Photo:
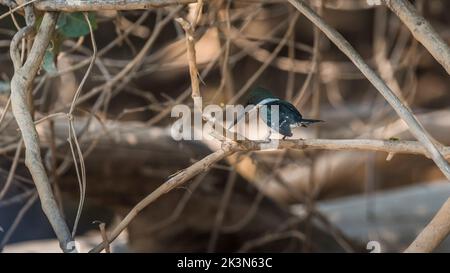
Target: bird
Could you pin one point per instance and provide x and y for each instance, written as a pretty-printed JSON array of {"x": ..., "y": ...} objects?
[{"x": 289, "y": 116}]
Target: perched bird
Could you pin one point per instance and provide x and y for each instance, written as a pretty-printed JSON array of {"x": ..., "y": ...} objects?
[{"x": 288, "y": 116}]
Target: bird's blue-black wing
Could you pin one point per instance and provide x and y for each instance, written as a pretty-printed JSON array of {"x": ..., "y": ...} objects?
[{"x": 287, "y": 116}]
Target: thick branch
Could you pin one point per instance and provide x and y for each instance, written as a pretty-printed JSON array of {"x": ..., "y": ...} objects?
[
  {"x": 137, "y": 138},
  {"x": 434, "y": 233},
  {"x": 402, "y": 110},
  {"x": 20, "y": 85},
  {"x": 422, "y": 31},
  {"x": 92, "y": 5},
  {"x": 230, "y": 148},
  {"x": 147, "y": 138},
  {"x": 388, "y": 146},
  {"x": 175, "y": 181}
]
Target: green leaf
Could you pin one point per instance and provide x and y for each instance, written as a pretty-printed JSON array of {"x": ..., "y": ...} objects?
[
  {"x": 74, "y": 25},
  {"x": 49, "y": 61}
]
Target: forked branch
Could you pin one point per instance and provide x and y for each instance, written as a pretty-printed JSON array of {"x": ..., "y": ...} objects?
[
  {"x": 20, "y": 91},
  {"x": 229, "y": 148},
  {"x": 402, "y": 110}
]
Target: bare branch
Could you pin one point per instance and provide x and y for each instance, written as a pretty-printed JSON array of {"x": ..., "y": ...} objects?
[
  {"x": 434, "y": 233},
  {"x": 389, "y": 146},
  {"x": 402, "y": 110},
  {"x": 12, "y": 170},
  {"x": 175, "y": 181},
  {"x": 20, "y": 85},
  {"x": 17, "y": 220},
  {"x": 67, "y": 5},
  {"x": 345, "y": 4},
  {"x": 192, "y": 60},
  {"x": 422, "y": 31}
]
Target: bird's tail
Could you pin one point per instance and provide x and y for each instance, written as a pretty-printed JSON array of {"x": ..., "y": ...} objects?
[{"x": 305, "y": 122}]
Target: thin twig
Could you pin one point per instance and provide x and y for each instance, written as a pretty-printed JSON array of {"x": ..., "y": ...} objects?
[
  {"x": 422, "y": 31},
  {"x": 174, "y": 182},
  {"x": 4, "y": 15},
  {"x": 73, "y": 141},
  {"x": 402, "y": 110},
  {"x": 263, "y": 67},
  {"x": 180, "y": 205},
  {"x": 269, "y": 238},
  {"x": 221, "y": 212},
  {"x": 17, "y": 220},
  {"x": 190, "y": 43},
  {"x": 389, "y": 146},
  {"x": 12, "y": 170},
  {"x": 102, "y": 228}
]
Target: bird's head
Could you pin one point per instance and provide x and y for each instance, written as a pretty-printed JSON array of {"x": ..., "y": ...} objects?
[{"x": 258, "y": 94}]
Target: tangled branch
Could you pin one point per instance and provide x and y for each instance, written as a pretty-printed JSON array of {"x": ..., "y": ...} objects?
[
  {"x": 25, "y": 76},
  {"x": 402, "y": 110},
  {"x": 422, "y": 31},
  {"x": 20, "y": 93}
]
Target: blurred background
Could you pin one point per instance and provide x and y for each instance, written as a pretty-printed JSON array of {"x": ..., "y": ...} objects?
[{"x": 271, "y": 201}]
